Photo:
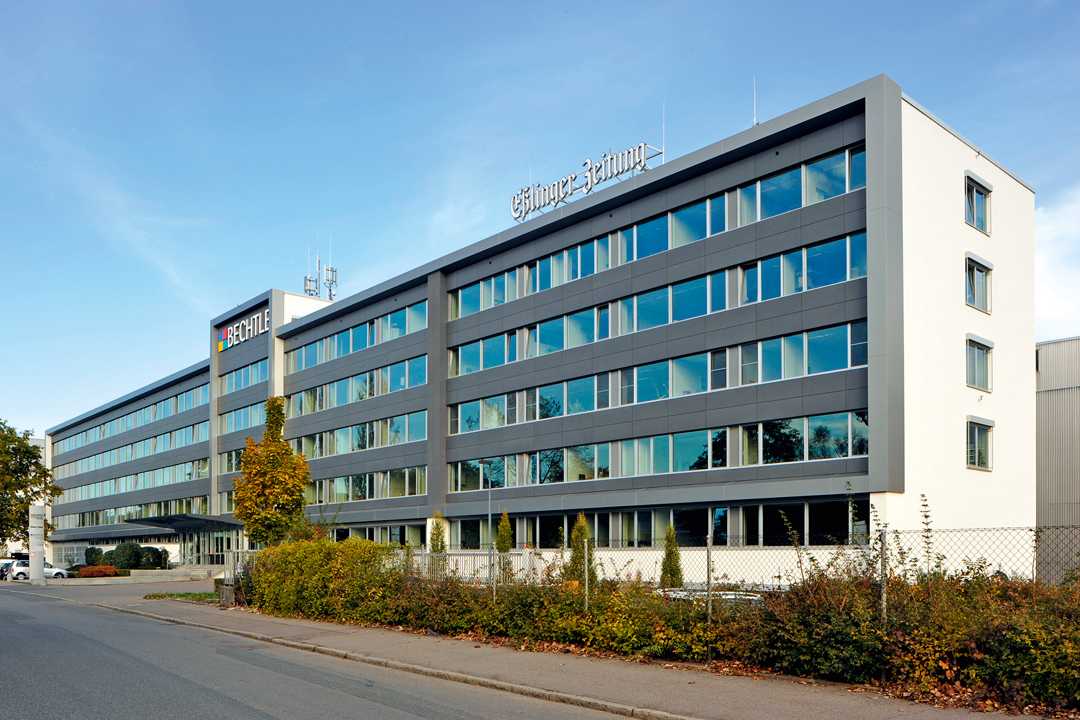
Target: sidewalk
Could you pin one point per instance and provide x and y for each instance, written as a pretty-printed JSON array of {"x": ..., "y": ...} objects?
[{"x": 640, "y": 686}]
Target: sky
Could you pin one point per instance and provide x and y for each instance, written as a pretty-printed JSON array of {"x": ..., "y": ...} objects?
[{"x": 163, "y": 162}]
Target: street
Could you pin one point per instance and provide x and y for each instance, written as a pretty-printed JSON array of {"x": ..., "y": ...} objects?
[{"x": 63, "y": 660}]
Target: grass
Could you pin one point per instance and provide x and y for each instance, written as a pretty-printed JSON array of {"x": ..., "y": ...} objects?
[{"x": 196, "y": 597}]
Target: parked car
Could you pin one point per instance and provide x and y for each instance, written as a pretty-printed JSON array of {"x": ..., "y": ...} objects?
[{"x": 20, "y": 570}]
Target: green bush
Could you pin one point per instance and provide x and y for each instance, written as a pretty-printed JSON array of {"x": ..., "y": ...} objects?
[
  {"x": 93, "y": 555},
  {"x": 1018, "y": 642}
]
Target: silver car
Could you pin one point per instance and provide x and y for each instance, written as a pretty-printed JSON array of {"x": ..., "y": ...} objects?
[{"x": 20, "y": 570}]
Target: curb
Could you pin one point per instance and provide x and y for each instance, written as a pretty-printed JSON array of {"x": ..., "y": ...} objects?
[{"x": 613, "y": 708}]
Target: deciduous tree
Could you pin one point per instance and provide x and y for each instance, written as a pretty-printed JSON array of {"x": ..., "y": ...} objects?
[
  {"x": 269, "y": 494},
  {"x": 24, "y": 481}
]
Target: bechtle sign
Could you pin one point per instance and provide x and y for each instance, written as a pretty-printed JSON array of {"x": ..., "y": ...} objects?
[
  {"x": 533, "y": 198},
  {"x": 243, "y": 330}
]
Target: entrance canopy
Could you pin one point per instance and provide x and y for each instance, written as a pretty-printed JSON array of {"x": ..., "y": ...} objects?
[{"x": 188, "y": 523}]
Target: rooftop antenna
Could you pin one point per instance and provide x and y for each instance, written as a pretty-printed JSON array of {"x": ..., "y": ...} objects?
[
  {"x": 311, "y": 282},
  {"x": 330, "y": 280},
  {"x": 663, "y": 132},
  {"x": 755, "y": 100}
]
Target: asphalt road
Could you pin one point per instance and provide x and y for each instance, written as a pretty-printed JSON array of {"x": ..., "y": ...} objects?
[{"x": 62, "y": 660}]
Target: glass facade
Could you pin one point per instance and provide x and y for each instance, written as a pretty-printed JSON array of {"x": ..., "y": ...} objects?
[
  {"x": 373, "y": 383},
  {"x": 143, "y": 448},
  {"x": 245, "y": 377},
  {"x": 382, "y": 329},
  {"x": 158, "y": 477},
  {"x": 411, "y": 427}
]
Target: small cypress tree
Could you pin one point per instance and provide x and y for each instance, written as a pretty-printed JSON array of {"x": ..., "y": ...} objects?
[
  {"x": 575, "y": 569},
  {"x": 437, "y": 547},
  {"x": 504, "y": 541},
  {"x": 671, "y": 567}
]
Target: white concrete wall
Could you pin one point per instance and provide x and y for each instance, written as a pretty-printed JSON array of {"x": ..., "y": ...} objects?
[{"x": 936, "y": 323}]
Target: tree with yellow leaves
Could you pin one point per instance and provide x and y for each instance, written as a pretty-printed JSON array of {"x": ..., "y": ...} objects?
[{"x": 269, "y": 494}]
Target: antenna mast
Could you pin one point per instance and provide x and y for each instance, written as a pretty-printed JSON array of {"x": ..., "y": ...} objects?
[{"x": 755, "y": 100}]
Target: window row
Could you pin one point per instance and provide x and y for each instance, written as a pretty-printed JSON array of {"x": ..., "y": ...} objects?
[
  {"x": 226, "y": 501},
  {"x": 402, "y": 482},
  {"x": 382, "y": 329},
  {"x": 144, "y": 448},
  {"x": 158, "y": 477},
  {"x": 830, "y": 521},
  {"x": 246, "y": 376},
  {"x": 187, "y": 400},
  {"x": 380, "y": 381},
  {"x": 827, "y": 349},
  {"x": 242, "y": 418},
  {"x": 365, "y": 436},
  {"x": 821, "y": 264},
  {"x": 410, "y": 535},
  {"x": 114, "y": 516},
  {"x": 818, "y": 437},
  {"x": 806, "y": 184}
]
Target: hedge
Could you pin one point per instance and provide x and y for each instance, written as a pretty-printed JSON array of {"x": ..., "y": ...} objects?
[{"x": 1013, "y": 641}]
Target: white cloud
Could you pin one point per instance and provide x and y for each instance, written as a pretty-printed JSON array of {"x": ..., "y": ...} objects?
[{"x": 1057, "y": 266}]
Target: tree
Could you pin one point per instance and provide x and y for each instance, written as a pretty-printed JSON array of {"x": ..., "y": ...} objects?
[
  {"x": 504, "y": 541},
  {"x": 437, "y": 547},
  {"x": 92, "y": 555},
  {"x": 24, "y": 481},
  {"x": 269, "y": 494},
  {"x": 671, "y": 566},
  {"x": 575, "y": 568}
]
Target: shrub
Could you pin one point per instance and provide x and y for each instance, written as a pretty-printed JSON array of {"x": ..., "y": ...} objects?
[
  {"x": 671, "y": 566},
  {"x": 575, "y": 569},
  {"x": 92, "y": 571},
  {"x": 93, "y": 555}
]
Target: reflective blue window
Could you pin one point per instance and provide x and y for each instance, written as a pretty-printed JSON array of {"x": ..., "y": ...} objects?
[
  {"x": 418, "y": 371},
  {"x": 828, "y": 436},
  {"x": 603, "y": 327},
  {"x": 469, "y": 300},
  {"x": 550, "y": 401},
  {"x": 551, "y": 336},
  {"x": 652, "y": 381},
  {"x": 858, "y": 343},
  {"x": 342, "y": 344},
  {"x": 858, "y": 255},
  {"x": 782, "y": 440},
  {"x": 545, "y": 273},
  {"x": 397, "y": 377},
  {"x": 494, "y": 351},
  {"x": 579, "y": 328},
  {"x": 826, "y": 349},
  {"x": 860, "y": 432},
  {"x": 588, "y": 258},
  {"x": 511, "y": 347},
  {"x": 469, "y": 416},
  {"x": 652, "y": 237},
  {"x": 771, "y": 368},
  {"x": 781, "y": 193},
  {"x": 417, "y": 316},
  {"x": 718, "y": 214},
  {"x": 770, "y": 278},
  {"x": 395, "y": 324},
  {"x": 626, "y": 244},
  {"x": 858, "y": 168},
  {"x": 652, "y": 309},
  {"x": 792, "y": 271},
  {"x": 826, "y": 263},
  {"x": 551, "y": 466},
  {"x": 360, "y": 337},
  {"x": 396, "y": 430},
  {"x": 469, "y": 358},
  {"x": 689, "y": 299},
  {"x": 825, "y": 178},
  {"x": 688, "y": 224},
  {"x": 749, "y": 292},
  {"x": 718, "y": 291},
  {"x": 691, "y": 451},
  {"x": 580, "y": 395},
  {"x": 690, "y": 374}
]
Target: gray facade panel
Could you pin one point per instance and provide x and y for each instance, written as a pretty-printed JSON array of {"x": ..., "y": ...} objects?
[
  {"x": 188, "y": 489},
  {"x": 196, "y": 451}
]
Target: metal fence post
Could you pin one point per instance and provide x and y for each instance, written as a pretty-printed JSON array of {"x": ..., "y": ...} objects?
[
  {"x": 883, "y": 541},
  {"x": 708, "y": 596}
]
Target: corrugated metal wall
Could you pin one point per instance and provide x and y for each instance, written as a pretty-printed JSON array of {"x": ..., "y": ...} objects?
[{"x": 1058, "y": 433}]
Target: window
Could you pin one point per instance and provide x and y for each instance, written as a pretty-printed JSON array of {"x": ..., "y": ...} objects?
[
  {"x": 748, "y": 287},
  {"x": 652, "y": 381},
  {"x": 469, "y": 358},
  {"x": 783, "y": 524},
  {"x": 826, "y": 349},
  {"x": 826, "y": 178},
  {"x": 579, "y": 328},
  {"x": 691, "y": 451},
  {"x": 860, "y": 432},
  {"x": 976, "y": 205},
  {"x": 718, "y": 291},
  {"x": 781, "y": 193},
  {"x": 770, "y": 278},
  {"x": 749, "y": 361},
  {"x": 494, "y": 351},
  {"x": 826, "y": 263},
  {"x": 580, "y": 395},
  {"x": 749, "y": 444},
  {"x": 494, "y": 472},
  {"x": 469, "y": 475},
  {"x": 652, "y": 309},
  {"x": 747, "y": 198},
  {"x": 469, "y": 300},
  {"x": 771, "y": 363},
  {"x": 857, "y": 167},
  {"x": 418, "y": 371},
  {"x": 718, "y": 440},
  {"x": 688, "y": 224},
  {"x": 718, "y": 214},
  {"x": 626, "y": 386},
  {"x": 977, "y": 286},
  {"x": 397, "y": 379},
  {"x": 469, "y": 416},
  {"x": 828, "y": 436},
  {"x": 652, "y": 237},
  {"x": 689, "y": 299},
  {"x": 551, "y": 466},
  {"x": 493, "y": 412},
  {"x": 792, "y": 272},
  {"x": 719, "y": 370},
  {"x": 978, "y": 365},
  {"x": 551, "y": 401},
  {"x": 782, "y": 440},
  {"x": 551, "y": 336},
  {"x": 581, "y": 462},
  {"x": 978, "y": 445},
  {"x": 859, "y": 344},
  {"x": 857, "y": 256},
  {"x": 690, "y": 374},
  {"x": 793, "y": 355}
]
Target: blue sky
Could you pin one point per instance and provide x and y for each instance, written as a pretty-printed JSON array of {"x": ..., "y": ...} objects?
[{"x": 165, "y": 161}]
